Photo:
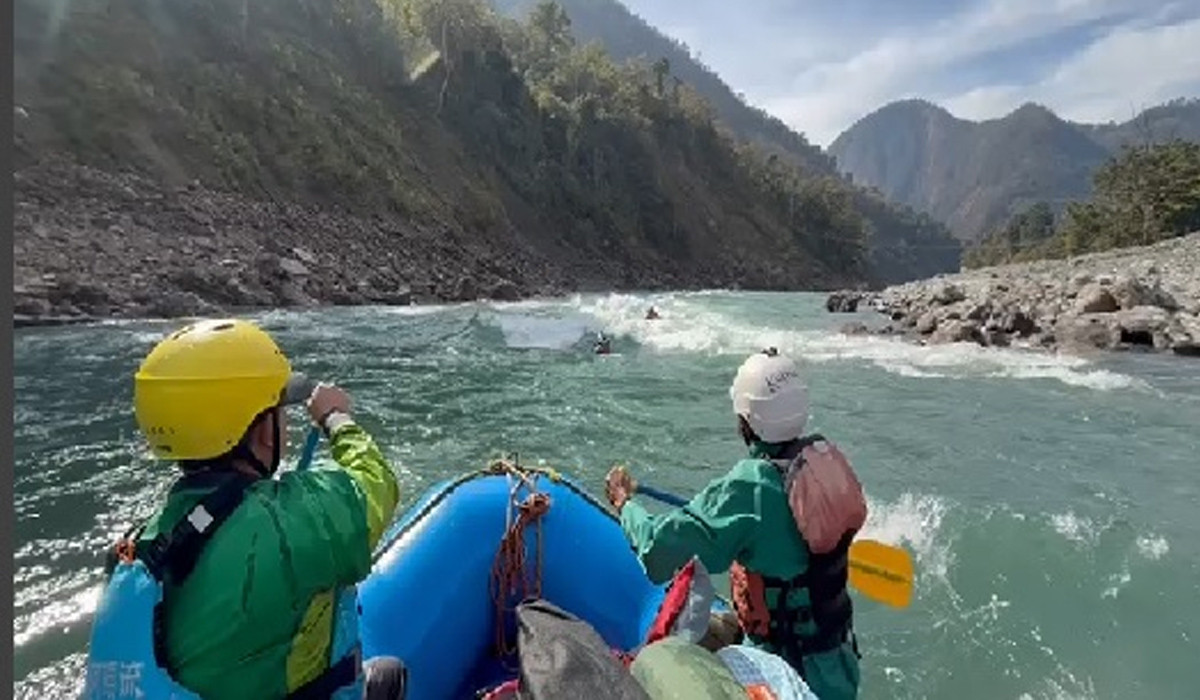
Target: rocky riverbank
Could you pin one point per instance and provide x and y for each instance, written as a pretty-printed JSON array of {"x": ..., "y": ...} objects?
[
  {"x": 93, "y": 244},
  {"x": 1145, "y": 298}
]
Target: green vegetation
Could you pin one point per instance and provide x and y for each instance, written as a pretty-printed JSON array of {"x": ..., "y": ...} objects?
[
  {"x": 627, "y": 36},
  {"x": 441, "y": 112},
  {"x": 1149, "y": 193}
]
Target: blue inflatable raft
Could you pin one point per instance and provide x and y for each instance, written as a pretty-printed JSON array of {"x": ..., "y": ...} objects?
[{"x": 431, "y": 596}]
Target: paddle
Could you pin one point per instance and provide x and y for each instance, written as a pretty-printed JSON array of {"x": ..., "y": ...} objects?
[
  {"x": 314, "y": 434},
  {"x": 310, "y": 447},
  {"x": 879, "y": 571}
]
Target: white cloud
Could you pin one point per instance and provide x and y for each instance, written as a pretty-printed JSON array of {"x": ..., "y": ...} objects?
[
  {"x": 823, "y": 96},
  {"x": 1125, "y": 71}
]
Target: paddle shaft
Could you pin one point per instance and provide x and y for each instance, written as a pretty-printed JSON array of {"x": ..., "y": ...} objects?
[
  {"x": 662, "y": 496},
  {"x": 310, "y": 448}
]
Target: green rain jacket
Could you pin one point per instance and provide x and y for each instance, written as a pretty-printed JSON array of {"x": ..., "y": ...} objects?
[
  {"x": 743, "y": 516},
  {"x": 254, "y": 618}
]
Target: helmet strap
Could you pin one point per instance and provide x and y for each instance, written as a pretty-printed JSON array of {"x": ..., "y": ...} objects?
[
  {"x": 275, "y": 448},
  {"x": 244, "y": 452}
]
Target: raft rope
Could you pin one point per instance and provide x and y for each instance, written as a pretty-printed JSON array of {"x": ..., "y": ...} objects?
[{"x": 510, "y": 578}]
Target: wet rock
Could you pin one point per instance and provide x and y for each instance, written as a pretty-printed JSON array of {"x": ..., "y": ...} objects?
[
  {"x": 843, "y": 301},
  {"x": 465, "y": 290},
  {"x": 1084, "y": 332},
  {"x": 1018, "y": 323},
  {"x": 854, "y": 328},
  {"x": 32, "y": 306},
  {"x": 174, "y": 303},
  {"x": 347, "y": 297},
  {"x": 996, "y": 338},
  {"x": 956, "y": 331},
  {"x": 1129, "y": 299},
  {"x": 292, "y": 293},
  {"x": 401, "y": 296},
  {"x": 504, "y": 290}
]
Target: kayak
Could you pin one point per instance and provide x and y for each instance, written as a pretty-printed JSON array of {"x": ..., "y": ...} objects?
[{"x": 448, "y": 573}]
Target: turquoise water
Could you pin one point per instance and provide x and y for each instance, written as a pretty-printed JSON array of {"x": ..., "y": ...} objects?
[{"x": 1052, "y": 504}]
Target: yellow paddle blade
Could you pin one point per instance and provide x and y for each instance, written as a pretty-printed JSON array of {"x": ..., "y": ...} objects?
[{"x": 882, "y": 572}]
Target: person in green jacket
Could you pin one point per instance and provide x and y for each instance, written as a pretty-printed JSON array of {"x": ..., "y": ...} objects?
[
  {"x": 789, "y": 601},
  {"x": 267, "y": 607}
]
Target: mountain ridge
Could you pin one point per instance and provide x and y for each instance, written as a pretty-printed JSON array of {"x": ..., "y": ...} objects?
[{"x": 974, "y": 174}]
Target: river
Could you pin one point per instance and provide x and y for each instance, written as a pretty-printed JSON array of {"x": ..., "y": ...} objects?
[{"x": 1052, "y": 504}]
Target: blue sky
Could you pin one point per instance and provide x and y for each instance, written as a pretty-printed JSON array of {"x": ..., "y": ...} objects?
[{"x": 820, "y": 65}]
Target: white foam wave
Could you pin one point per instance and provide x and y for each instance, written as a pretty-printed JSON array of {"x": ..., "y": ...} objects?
[
  {"x": 418, "y": 309},
  {"x": 1117, "y": 582},
  {"x": 689, "y": 324},
  {"x": 522, "y": 331},
  {"x": 913, "y": 520},
  {"x": 1152, "y": 547},
  {"x": 1074, "y": 527},
  {"x": 1066, "y": 687},
  {"x": 56, "y": 615}
]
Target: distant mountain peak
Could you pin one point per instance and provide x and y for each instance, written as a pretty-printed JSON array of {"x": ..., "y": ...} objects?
[{"x": 973, "y": 175}]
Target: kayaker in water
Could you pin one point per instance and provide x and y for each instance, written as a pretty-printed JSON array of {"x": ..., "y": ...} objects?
[
  {"x": 603, "y": 345},
  {"x": 782, "y": 532},
  {"x": 258, "y": 592},
  {"x": 652, "y": 314}
]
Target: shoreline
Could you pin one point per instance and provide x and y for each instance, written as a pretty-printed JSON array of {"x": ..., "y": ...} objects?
[
  {"x": 92, "y": 244},
  {"x": 1130, "y": 299}
]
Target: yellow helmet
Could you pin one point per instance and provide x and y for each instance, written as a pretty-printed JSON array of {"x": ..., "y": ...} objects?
[{"x": 199, "y": 389}]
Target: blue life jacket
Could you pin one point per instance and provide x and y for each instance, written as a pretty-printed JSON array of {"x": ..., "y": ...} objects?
[{"x": 127, "y": 658}]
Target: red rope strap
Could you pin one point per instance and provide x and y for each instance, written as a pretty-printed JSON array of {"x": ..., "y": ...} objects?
[{"x": 509, "y": 579}]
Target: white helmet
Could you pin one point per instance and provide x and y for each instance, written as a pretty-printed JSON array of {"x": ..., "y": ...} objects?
[{"x": 768, "y": 393}]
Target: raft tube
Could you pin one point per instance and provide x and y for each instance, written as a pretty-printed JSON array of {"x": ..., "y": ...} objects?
[{"x": 429, "y": 597}]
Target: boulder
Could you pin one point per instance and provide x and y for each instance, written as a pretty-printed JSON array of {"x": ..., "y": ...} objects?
[
  {"x": 32, "y": 306},
  {"x": 1018, "y": 322},
  {"x": 955, "y": 331},
  {"x": 948, "y": 293},
  {"x": 996, "y": 338},
  {"x": 844, "y": 301},
  {"x": 1095, "y": 299},
  {"x": 927, "y": 323},
  {"x": 1131, "y": 292},
  {"x": 505, "y": 290},
  {"x": 1084, "y": 332},
  {"x": 1142, "y": 326},
  {"x": 465, "y": 290},
  {"x": 292, "y": 293}
]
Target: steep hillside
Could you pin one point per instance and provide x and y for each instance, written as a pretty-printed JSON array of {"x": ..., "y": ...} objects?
[
  {"x": 626, "y": 35},
  {"x": 901, "y": 244},
  {"x": 461, "y": 153},
  {"x": 971, "y": 175}
]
